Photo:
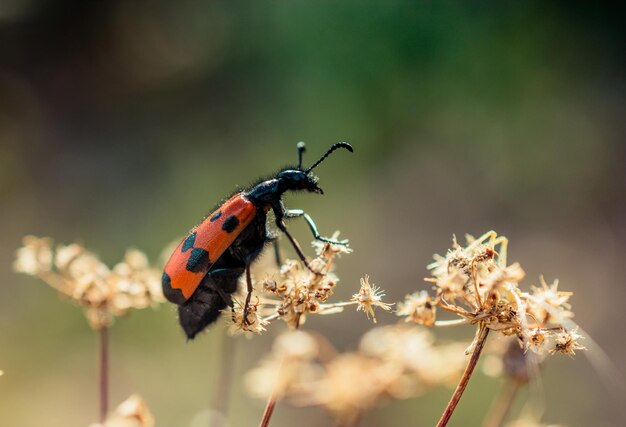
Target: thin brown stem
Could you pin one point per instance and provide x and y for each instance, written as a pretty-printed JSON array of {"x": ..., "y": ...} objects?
[
  {"x": 104, "y": 373},
  {"x": 271, "y": 401},
  {"x": 502, "y": 404},
  {"x": 469, "y": 369},
  {"x": 269, "y": 410}
]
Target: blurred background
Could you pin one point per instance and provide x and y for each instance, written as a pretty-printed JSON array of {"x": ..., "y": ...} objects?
[{"x": 123, "y": 122}]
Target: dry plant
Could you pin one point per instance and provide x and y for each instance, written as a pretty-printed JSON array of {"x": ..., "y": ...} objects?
[
  {"x": 305, "y": 370},
  {"x": 472, "y": 282},
  {"x": 104, "y": 293},
  {"x": 293, "y": 292},
  {"x": 475, "y": 283}
]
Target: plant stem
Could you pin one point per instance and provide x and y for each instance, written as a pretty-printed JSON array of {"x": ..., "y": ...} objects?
[
  {"x": 449, "y": 323},
  {"x": 221, "y": 394},
  {"x": 271, "y": 402},
  {"x": 469, "y": 369},
  {"x": 502, "y": 404},
  {"x": 269, "y": 410},
  {"x": 104, "y": 373}
]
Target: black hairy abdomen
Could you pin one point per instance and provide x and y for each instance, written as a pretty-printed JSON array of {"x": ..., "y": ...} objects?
[{"x": 214, "y": 292}]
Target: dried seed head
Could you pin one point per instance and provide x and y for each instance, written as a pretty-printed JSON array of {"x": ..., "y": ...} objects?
[
  {"x": 370, "y": 296},
  {"x": 79, "y": 274},
  {"x": 418, "y": 307},
  {"x": 35, "y": 256},
  {"x": 566, "y": 342}
]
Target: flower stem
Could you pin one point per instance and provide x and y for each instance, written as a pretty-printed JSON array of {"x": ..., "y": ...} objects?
[
  {"x": 104, "y": 373},
  {"x": 448, "y": 323},
  {"x": 271, "y": 401},
  {"x": 221, "y": 394},
  {"x": 269, "y": 410},
  {"x": 469, "y": 369},
  {"x": 502, "y": 404}
]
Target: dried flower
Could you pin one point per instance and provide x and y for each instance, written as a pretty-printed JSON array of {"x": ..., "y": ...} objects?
[
  {"x": 288, "y": 365},
  {"x": 548, "y": 300},
  {"x": 475, "y": 283},
  {"x": 252, "y": 322},
  {"x": 329, "y": 250},
  {"x": 418, "y": 307},
  {"x": 566, "y": 342},
  {"x": 79, "y": 274},
  {"x": 294, "y": 292},
  {"x": 34, "y": 257},
  {"x": 392, "y": 361},
  {"x": 133, "y": 412},
  {"x": 370, "y": 296}
]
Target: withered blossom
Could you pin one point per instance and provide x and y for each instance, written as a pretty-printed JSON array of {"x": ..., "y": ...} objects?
[
  {"x": 252, "y": 322},
  {"x": 370, "y": 296},
  {"x": 286, "y": 368},
  {"x": 475, "y": 283},
  {"x": 133, "y": 412},
  {"x": 294, "y": 292},
  {"x": 328, "y": 250},
  {"x": 418, "y": 307},
  {"x": 79, "y": 274},
  {"x": 304, "y": 371},
  {"x": 566, "y": 342}
]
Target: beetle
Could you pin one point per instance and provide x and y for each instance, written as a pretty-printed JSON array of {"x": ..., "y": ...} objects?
[{"x": 203, "y": 271}]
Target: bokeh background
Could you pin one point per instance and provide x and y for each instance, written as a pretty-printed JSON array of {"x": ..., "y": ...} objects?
[{"x": 123, "y": 122}]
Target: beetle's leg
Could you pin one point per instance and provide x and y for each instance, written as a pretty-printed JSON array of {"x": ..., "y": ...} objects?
[
  {"x": 279, "y": 212},
  {"x": 250, "y": 289},
  {"x": 295, "y": 213},
  {"x": 279, "y": 262}
]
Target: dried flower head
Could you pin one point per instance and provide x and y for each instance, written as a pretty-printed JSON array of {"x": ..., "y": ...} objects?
[
  {"x": 329, "y": 250},
  {"x": 79, "y": 274},
  {"x": 133, "y": 412},
  {"x": 294, "y": 292},
  {"x": 418, "y": 307},
  {"x": 290, "y": 364},
  {"x": 306, "y": 372},
  {"x": 475, "y": 283},
  {"x": 370, "y": 296},
  {"x": 566, "y": 342},
  {"x": 35, "y": 256},
  {"x": 250, "y": 321}
]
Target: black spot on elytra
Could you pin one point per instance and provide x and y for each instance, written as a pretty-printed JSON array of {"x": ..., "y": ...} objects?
[
  {"x": 198, "y": 260},
  {"x": 217, "y": 215},
  {"x": 189, "y": 241},
  {"x": 230, "y": 224},
  {"x": 173, "y": 295}
]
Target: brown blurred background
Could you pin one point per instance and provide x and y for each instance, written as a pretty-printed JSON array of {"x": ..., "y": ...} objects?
[{"x": 123, "y": 122}]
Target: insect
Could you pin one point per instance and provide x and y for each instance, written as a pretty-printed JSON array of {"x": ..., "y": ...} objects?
[{"x": 204, "y": 270}]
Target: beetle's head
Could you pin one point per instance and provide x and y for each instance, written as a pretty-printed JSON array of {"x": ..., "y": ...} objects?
[{"x": 299, "y": 179}]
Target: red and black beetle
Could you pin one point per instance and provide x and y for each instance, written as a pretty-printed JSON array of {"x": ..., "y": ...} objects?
[{"x": 204, "y": 269}]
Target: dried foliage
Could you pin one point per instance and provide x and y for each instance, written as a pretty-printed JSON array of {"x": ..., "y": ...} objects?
[
  {"x": 304, "y": 370},
  {"x": 77, "y": 273},
  {"x": 475, "y": 283},
  {"x": 292, "y": 292}
]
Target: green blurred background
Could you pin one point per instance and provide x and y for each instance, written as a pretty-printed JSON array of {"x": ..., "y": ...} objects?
[{"x": 123, "y": 122}]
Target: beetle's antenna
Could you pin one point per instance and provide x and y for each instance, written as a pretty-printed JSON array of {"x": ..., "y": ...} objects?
[
  {"x": 330, "y": 150},
  {"x": 301, "y": 149}
]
